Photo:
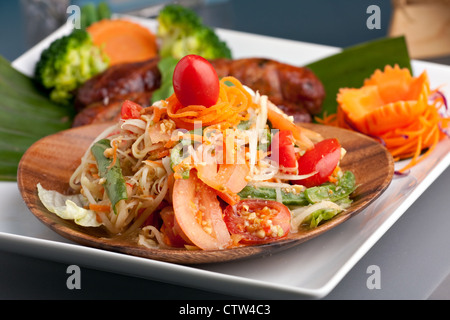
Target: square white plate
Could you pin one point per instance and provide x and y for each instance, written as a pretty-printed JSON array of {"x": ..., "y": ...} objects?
[{"x": 310, "y": 270}]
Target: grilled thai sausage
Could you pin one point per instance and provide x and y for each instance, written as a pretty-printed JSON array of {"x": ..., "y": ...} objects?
[
  {"x": 119, "y": 80},
  {"x": 296, "y": 90},
  {"x": 99, "y": 112}
]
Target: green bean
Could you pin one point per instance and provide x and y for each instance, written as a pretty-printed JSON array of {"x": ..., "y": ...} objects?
[
  {"x": 332, "y": 192},
  {"x": 268, "y": 193},
  {"x": 114, "y": 180}
]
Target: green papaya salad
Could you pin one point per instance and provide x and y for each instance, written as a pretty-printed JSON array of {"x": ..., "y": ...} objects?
[{"x": 214, "y": 166}]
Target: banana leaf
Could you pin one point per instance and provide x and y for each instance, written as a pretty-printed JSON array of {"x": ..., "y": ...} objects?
[
  {"x": 349, "y": 68},
  {"x": 26, "y": 115}
]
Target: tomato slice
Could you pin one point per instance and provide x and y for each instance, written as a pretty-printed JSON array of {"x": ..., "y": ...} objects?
[
  {"x": 172, "y": 234},
  {"x": 323, "y": 159},
  {"x": 130, "y": 110},
  {"x": 258, "y": 221},
  {"x": 228, "y": 178},
  {"x": 195, "y": 81},
  {"x": 284, "y": 141},
  {"x": 198, "y": 214}
]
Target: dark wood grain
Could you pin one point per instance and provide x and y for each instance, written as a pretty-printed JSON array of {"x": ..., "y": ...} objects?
[{"x": 51, "y": 161}]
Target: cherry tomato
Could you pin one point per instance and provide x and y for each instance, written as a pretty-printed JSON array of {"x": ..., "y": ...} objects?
[
  {"x": 198, "y": 214},
  {"x": 130, "y": 110},
  {"x": 284, "y": 141},
  {"x": 258, "y": 221},
  {"x": 323, "y": 158},
  {"x": 195, "y": 82}
]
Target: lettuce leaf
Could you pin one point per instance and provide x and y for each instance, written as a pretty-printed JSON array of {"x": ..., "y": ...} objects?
[{"x": 68, "y": 207}]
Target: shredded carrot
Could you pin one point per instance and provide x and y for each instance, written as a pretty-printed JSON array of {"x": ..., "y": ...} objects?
[
  {"x": 161, "y": 154},
  {"x": 329, "y": 120},
  {"x": 170, "y": 144},
  {"x": 397, "y": 109},
  {"x": 123, "y": 40},
  {"x": 333, "y": 178},
  {"x": 99, "y": 207},
  {"x": 158, "y": 113},
  {"x": 115, "y": 146},
  {"x": 229, "y": 110},
  {"x": 302, "y": 136},
  {"x": 229, "y": 198}
]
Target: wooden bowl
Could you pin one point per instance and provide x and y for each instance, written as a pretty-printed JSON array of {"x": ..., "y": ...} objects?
[{"x": 51, "y": 161}]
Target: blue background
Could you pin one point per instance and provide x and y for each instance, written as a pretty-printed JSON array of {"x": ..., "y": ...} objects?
[{"x": 336, "y": 23}]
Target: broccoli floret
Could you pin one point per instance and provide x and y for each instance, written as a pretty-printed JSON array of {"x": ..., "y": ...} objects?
[
  {"x": 181, "y": 32},
  {"x": 67, "y": 63}
]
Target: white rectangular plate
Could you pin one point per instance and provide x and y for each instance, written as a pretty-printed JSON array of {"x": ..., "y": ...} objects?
[{"x": 310, "y": 270}]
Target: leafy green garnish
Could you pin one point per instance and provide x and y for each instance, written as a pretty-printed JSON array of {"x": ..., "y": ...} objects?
[{"x": 166, "y": 67}]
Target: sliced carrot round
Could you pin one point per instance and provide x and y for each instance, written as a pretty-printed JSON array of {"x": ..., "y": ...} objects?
[{"x": 123, "y": 40}]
